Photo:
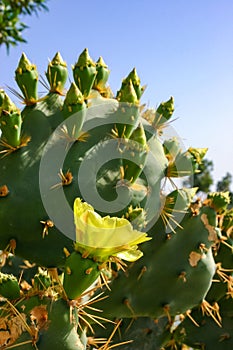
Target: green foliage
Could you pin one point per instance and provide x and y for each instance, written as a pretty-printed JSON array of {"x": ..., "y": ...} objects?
[
  {"x": 203, "y": 179},
  {"x": 225, "y": 183},
  {"x": 11, "y": 25}
]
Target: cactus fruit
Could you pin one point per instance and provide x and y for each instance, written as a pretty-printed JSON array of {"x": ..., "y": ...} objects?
[{"x": 88, "y": 224}]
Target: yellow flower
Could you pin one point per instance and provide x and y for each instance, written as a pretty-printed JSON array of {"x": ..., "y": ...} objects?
[{"x": 102, "y": 237}]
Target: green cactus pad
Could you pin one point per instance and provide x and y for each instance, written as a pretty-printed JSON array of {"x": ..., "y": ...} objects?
[
  {"x": 209, "y": 335},
  {"x": 172, "y": 285},
  {"x": 80, "y": 273}
]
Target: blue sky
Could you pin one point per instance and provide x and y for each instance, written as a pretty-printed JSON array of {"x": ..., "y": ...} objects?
[{"x": 182, "y": 48}]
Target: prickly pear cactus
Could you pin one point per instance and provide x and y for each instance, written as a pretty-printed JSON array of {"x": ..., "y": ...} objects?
[{"x": 84, "y": 177}]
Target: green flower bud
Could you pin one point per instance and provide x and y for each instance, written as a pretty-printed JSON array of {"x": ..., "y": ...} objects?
[
  {"x": 161, "y": 115},
  {"x": 219, "y": 201},
  {"x": 133, "y": 76},
  {"x": 26, "y": 76},
  {"x": 42, "y": 280},
  {"x": 198, "y": 154},
  {"x": 57, "y": 74},
  {"x": 137, "y": 151},
  {"x": 102, "y": 74},
  {"x": 10, "y": 122},
  {"x": 127, "y": 93},
  {"x": 9, "y": 287},
  {"x": 84, "y": 73},
  {"x": 166, "y": 109},
  {"x": 2, "y": 95},
  {"x": 74, "y": 104}
]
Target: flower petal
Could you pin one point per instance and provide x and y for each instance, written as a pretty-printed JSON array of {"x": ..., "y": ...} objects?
[
  {"x": 94, "y": 231},
  {"x": 130, "y": 255}
]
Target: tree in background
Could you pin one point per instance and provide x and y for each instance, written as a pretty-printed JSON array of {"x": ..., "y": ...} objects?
[
  {"x": 225, "y": 185},
  {"x": 204, "y": 179},
  {"x": 11, "y": 26}
]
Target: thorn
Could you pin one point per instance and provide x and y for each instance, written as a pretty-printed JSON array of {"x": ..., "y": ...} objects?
[
  {"x": 68, "y": 270},
  {"x": 188, "y": 313},
  {"x": 166, "y": 309},
  {"x": 143, "y": 270},
  {"x": 182, "y": 276},
  {"x": 212, "y": 311},
  {"x": 47, "y": 224},
  {"x": 127, "y": 304},
  {"x": 66, "y": 251},
  {"x": 224, "y": 336},
  {"x": 203, "y": 248}
]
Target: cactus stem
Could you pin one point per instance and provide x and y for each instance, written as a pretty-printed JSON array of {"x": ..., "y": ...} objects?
[
  {"x": 4, "y": 191},
  {"x": 47, "y": 224}
]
